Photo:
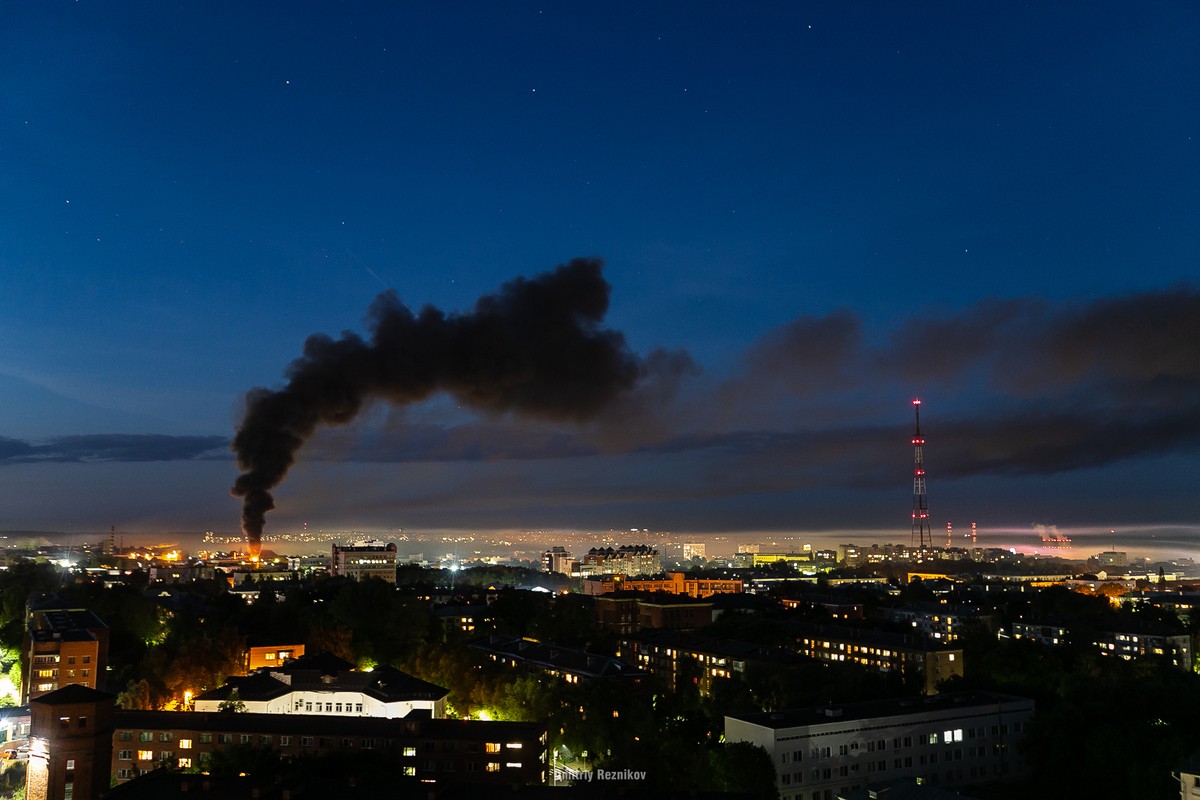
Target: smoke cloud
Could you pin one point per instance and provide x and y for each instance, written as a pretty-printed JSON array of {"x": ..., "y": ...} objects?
[{"x": 535, "y": 349}]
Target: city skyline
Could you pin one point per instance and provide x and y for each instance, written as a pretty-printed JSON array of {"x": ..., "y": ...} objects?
[{"x": 807, "y": 217}]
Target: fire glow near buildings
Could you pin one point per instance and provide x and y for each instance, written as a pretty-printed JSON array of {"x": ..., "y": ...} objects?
[{"x": 812, "y": 618}]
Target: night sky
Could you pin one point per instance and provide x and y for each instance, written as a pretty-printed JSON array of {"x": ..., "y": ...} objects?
[{"x": 808, "y": 214}]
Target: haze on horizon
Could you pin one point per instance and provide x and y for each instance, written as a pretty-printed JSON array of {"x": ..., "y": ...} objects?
[{"x": 808, "y": 216}]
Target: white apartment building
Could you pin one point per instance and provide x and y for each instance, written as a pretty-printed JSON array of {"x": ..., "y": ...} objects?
[{"x": 948, "y": 740}]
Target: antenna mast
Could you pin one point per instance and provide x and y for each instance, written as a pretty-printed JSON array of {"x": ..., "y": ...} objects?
[{"x": 922, "y": 535}]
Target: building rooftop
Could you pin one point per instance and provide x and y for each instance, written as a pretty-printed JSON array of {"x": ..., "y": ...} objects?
[
  {"x": 727, "y": 648},
  {"x": 872, "y": 636},
  {"x": 386, "y": 684},
  {"x": 71, "y": 694},
  {"x": 547, "y": 655},
  {"x": 656, "y": 598},
  {"x": 878, "y": 709}
]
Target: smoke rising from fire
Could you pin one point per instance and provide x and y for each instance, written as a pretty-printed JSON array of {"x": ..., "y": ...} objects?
[{"x": 535, "y": 348}]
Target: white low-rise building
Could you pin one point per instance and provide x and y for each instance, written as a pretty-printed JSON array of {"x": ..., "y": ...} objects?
[
  {"x": 948, "y": 740},
  {"x": 323, "y": 684}
]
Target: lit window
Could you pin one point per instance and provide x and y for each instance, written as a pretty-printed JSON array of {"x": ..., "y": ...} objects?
[
  {"x": 493, "y": 766},
  {"x": 409, "y": 751},
  {"x": 491, "y": 747},
  {"x": 145, "y": 755},
  {"x": 185, "y": 763},
  {"x": 185, "y": 744},
  {"x": 517, "y": 745},
  {"x": 513, "y": 764}
]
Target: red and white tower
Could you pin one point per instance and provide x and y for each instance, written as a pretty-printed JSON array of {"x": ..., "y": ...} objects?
[{"x": 922, "y": 535}]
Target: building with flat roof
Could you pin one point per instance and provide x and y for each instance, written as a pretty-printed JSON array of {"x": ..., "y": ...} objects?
[
  {"x": 264, "y": 651},
  {"x": 666, "y": 653},
  {"x": 940, "y": 621},
  {"x": 1134, "y": 639},
  {"x": 568, "y": 663},
  {"x": 62, "y": 646},
  {"x": 947, "y": 740},
  {"x": 672, "y": 583},
  {"x": 558, "y": 559},
  {"x": 70, "y": 744},
  {"x": 1189, "y": 780},
  {"x": 916, "y": 657},
  {"x": 365, "y": 559},
  {"x": 628, "y": 612}
]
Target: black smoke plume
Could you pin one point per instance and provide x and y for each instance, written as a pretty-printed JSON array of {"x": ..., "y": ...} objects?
[{"x": 535, "y": 348}]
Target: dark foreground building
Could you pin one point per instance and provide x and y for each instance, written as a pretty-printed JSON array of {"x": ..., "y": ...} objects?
[{"x": 79, "y": 744}]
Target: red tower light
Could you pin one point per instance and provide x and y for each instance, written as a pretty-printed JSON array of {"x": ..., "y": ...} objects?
[{"x": 922, "y": 535}]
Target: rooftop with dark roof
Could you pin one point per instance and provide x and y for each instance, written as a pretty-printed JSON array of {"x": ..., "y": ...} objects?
[
  {"x": 877, "y": 709},
  {"x": 71, "y": 694},
  {"x": 551, "y": 656},
  {"x": 326, "y": 673},
  {"x": 727, "y": 648}
]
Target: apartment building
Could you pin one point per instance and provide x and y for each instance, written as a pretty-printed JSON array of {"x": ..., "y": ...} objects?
[
  {"x": 62, "y": 646},
  {"x": 628, "y": 612},
  {"x": 949, "y": 740},
  {"x": 939, "y": 621},
  {"x": 628, "y": 559},
  {"x": 365, "y": 559},
  {"x": 676, "y": 583},
  {"x": 913, "y": 656},
  {"x": 668, "y": 653},
  {"x": 569, "y": 664},
  {"x": 80, "y": 743}
]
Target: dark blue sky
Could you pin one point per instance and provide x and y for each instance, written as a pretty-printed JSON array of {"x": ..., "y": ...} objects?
[{"x": 815, "y": 211}]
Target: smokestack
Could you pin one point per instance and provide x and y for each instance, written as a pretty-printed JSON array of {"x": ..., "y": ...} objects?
[{"x": 534, "y": 348}]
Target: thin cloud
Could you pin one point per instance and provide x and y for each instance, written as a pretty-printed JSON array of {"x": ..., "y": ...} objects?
[{"x": 95, "y": 448}]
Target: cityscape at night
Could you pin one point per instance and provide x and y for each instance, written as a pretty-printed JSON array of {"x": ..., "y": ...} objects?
[{"x": 767, "y": 400}]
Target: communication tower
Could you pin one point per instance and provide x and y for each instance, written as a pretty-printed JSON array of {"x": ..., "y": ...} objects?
[{"x": 922, "y": 535}]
